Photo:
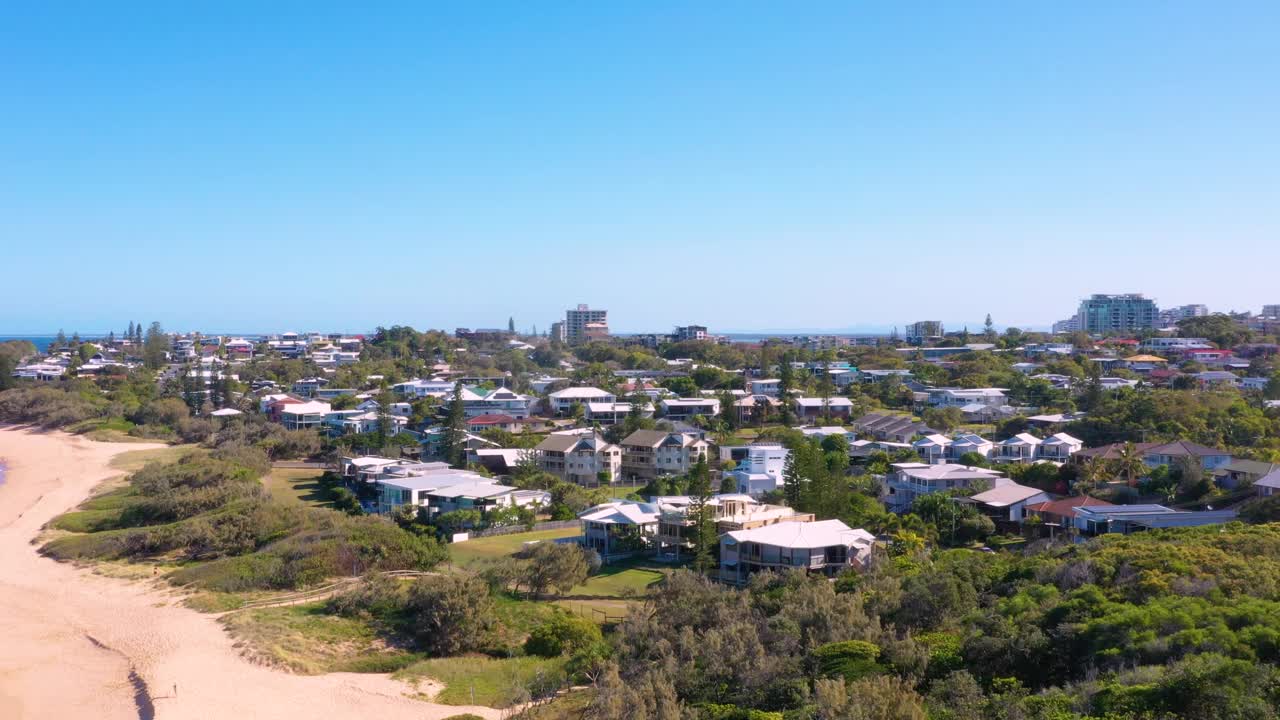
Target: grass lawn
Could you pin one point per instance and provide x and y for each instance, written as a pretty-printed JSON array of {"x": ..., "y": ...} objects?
[
  {"x": 296, "y": 485},
  {"x": 487, "y": 548},
  {"x": 478, "y": 680},
  {"x": 134, "y": 459},
  {"x": 599, "y": 611},
  {"x": 305, "y": 639},
  {"x": 620, "y": 580}
]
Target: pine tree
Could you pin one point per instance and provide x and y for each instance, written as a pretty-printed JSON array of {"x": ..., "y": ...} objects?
[
  {"x": 128, "y": 334},
  {"x": 792, "y": 483},
  {"x": 511, "y": 326},
  {"x": 989, "y": 329},
  {"x": 704, "y": 530},
  {"x": 59, "y": 340},
  {"x": 786, "y": 383},
  {"x": 455, "y": 431}
]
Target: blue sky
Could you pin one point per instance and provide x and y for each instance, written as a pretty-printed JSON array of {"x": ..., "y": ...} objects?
[{"x": 265, "y": 166}]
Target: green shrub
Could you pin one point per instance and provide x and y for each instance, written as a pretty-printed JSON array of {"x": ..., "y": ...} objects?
[
  {"x": 851, "y": 659},
  {"x": 563, "y": 634}
]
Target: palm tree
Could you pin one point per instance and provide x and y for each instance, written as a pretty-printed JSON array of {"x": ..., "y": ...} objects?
[
  {"x": 1092, "y": 474},
  {"x": 1129, "y": 464}
]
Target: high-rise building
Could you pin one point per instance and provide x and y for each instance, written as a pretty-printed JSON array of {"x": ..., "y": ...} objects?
[
  {"x": 1170, "y": 316},
  {"x": 1070, "y": 325},
  {"x": 689, "y": 332},
  {"x": 1117, "y": 313},
  {"x": 918, "y": 332},
  {"x": 576, "y": 322},
  {"x": 557, "y": 331},
  {"x": 1271, "y": 311}
]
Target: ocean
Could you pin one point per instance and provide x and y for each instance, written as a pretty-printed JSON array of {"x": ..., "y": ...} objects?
[{"x": 42, "y": 342}]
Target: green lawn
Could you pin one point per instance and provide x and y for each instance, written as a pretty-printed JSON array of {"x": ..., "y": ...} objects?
[
  {"x": 296, "y": 485},
  {"x": 488, "y": 548},
  {"x": 475, "y": 680},
  {"x": 620, "y": 580}
]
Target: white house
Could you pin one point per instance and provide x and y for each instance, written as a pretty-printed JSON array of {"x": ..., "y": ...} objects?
[
  {"x": 580, "y": 458},
  {"x": 766, "y": 386},
  {"x": 615, "y": 412},
  {"x": 1021, "y": 448},
  {"x": 932, "y": 448},
  {"x": 1059, "y": 447},
  {"x": 562, "y": 401},
  {"x": 301, "y": 416},
  {"x": 498, "y": 401},
  {"x": 909, "y": 481},
  {"x": 964, "y": 443},
  {"x": 619, "y": 526},
  {"x": 759, "y": 470},
  {"x": 424, "y": 388},
  {"x": 815, "y": 407},
  {"x": 687, "y": 408},
  {"x": 959, "y": 397},
  {"x": 826, "y": 547},
  {"x": 1008, "y": 501}
]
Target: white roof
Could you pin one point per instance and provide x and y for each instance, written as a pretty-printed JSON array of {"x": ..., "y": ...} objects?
[
  {"x": 577, "y": 393},
  {"x": 1270, "y": 480},
  {"x": 226, "y": 412},
  {"x": 935, "y": 439},
  {"x": 306, "y": 408},
  {"x": 834, "y": 401},
  {"x": 1006, "y": 495},
  {"x": 821, "y": 534},
  {"x": 621, "y": 512},
  {"x": 1062, "y": 439},
  {"x": 1022, "y": 439},
  {"x": 471, "y": 488}
]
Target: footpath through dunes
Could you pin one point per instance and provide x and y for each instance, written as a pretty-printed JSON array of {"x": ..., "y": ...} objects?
[{"x": 78, "y": 644}]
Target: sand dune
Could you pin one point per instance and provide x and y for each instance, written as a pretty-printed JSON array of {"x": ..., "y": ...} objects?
[{"x": 78, "y": 645}]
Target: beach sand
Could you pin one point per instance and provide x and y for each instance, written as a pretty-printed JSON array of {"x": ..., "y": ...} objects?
[{"x": 74, "y": 644}]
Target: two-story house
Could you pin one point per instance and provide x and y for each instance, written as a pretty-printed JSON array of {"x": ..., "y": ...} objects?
[
  {"x": 909, "y": 481},
  {"x": 689, "y": 408},
  {"x": 584, "y": 459},
  {"x": 826, "y": 547},
  {"x": 562, "y": 401},
  {"x": 649, "y": 453}
]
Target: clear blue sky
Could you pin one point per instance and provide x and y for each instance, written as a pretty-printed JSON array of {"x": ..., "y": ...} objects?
[{"x": 300, "y": 165}]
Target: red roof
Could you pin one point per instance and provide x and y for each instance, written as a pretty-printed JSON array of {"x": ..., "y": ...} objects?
[
  {"x": 1062, "y": 507},
  {"x": 1119, "y": 341},
  {"x": 491, "y": 420}
]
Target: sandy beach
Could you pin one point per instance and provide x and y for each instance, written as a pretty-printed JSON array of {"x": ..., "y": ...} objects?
[{"x": 74, "y": 644}]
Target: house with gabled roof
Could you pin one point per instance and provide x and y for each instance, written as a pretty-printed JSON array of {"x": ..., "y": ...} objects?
[
  {"x": 583, "y": 459},
  {"x": 1006, "y": 502},
  {"x": 649, "y": 453}
]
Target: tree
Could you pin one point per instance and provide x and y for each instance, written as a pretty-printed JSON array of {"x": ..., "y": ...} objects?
[
  {"x": 511, "y": 326},
  {"x": 59, "y": 340},
  {"x": 1272, "y": 390},
  {"x": 554, "y": 566},
  {"x": 879, "y": 697},
  {"x": 989, "y": 330},
  {"x": 455, "y": 430},
  {"x": 1093, "y": 475},
  {"x": 155, "y": 348},
  {"x": 563, "y": 634},
  {"x": 943, "y": 419},
  {"x": 450, "y": 614},
  {"x": 786, "y": 384},
  {"x": 1129, "y": 464},
  {"x": 704, "y": 529}
]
